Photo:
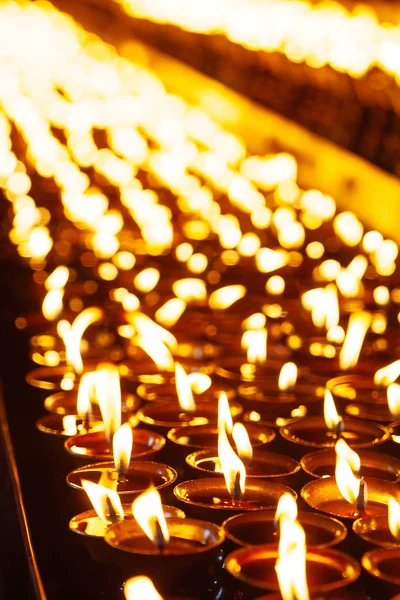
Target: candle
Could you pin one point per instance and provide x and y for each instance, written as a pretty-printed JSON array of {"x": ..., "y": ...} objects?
[
  {"x": 373, "y": 464},
  {"x": 166, "y": 390},
  {"x": 261, "y": 527},
  {"x": 206, "y": 436},
  {"x": 68, "y": 425},
  {"x": 65, "y": 403},
  {"x": 383, "y": 565},
  {"x": 375, "y": 530}
]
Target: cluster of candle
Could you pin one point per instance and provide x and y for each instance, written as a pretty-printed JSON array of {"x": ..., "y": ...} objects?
[{"x": 212, "y": 335}]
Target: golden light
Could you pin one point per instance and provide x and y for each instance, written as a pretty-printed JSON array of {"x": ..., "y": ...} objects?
[
  {"x": 146, "y": 280},
  {"x": 255, "y": 321},
  {"x": 291, "y": 563},
  {"x": 224, "y": 413},
  {"x": 336, "y": 335},
  {"x": 170, "y": 312},
  {"x": 381, "y": 295},
  {"x": 199, "y": 382},
  {"x": 140, "y": 588},
  {"x": 183, "y": 390},
  {"x": 348, "y": 228},
  {"x": 190, "y": 289},
  {"x": 232, "y": 467},
  {"x": 158, "y": 352},
  {"x": 122, "y": 449},
  {"x": 72, "y": 336},
  {"x": 286, "y": 508},
  {"x": 57, "y": 279},
  {"x": 69, "y": 425},
  {"x": 86, "y": 390},
  {"x": 358, "y": 326},
  {"x": 393, "y": 397},
  {"x": 52, "y": 304},
  {"x": 108, "y": 392},
  {"x": 268, "y": 260},
  {"x": 226, "y": 296},
  {"x": 387, "y": 375},
  {"x": 184, "y": 251},
  {"x": 254, "y": 341},
  {"x": 148, "y": 512},
  {"x": 288, "y": 376},
  {"x": 394, "y": 518},
  {"x": 344, "y": 452},
  {"x": 333, "y": 420},
  {"x": 242, "y": 442},
  {"x": 106, "y": 502},
  {"x": 275, "y": 285},
  {"x": 352, "y": 488},
  {"x": 149, "y": 330},
  {"x": 371, "y": 241},
  {"x": 197, "y": 263}
]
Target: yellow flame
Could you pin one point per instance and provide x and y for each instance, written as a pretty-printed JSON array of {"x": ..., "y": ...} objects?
[
  {"x": 53, "y": 304},
  {"x": 287, "y": 376},
  {"x": 147, "y": 329},
  {"x": 108, "y": 392},
  {"x": 255, "y": 342},
  {"x": 170, "y": 312},
  {"x": 393, "y": 397},
  {"x": 242, "y": 441},
  {"x": 291, "y": 563},
  {"x": 224, "y": 413},
  {"x": 347, "y": 482},
  {"x": 183, "y": 390},
  {"x": 331, "y": 416},
  {"x": 344, "y": 452},
  {"x": 140, "y": 588},
  {"x": 190, "y": 289},
  {"x": 69, "y": 425},
  {"x": 86, "y": 390},
  {"x": 199, "y": 382},
  {"x": 122, "y": 448},
  {"x": 72, "y": 335},
  {"x": 286, "y": 508},
  {"x": 232, "y": 467},
  {"x": 226, "y": 296},
  {"x": 158, "y": 352},
  {"x": 146, "y": 280},
  {"x": 102, "y": 498},
  {"x": 255, "y": 321},
  {"x": 388, "y": 374},
  {"x": 359, "y": 324},
  {"x": 148, "y": 512},
  {"x": 394, "y": 518},
  {"x": 57, "y": 279}
]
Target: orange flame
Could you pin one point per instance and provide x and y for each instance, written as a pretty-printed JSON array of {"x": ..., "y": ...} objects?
[
  {"x": 72, "y": 335},
  {"x": 226, "y": 296},
  {"x": 286, "y": 508},
  {"x": 86, "y": 390},
  {"x": 232, "y": 467},
  {"x": 359, "y": 324},
  {"x": 393, "y": 396},
  {"x": 148, "y": 512},
  {"x": 388, "y": 374},
  {"x": 108, "y": 391},
  {"x": 291, "y": 564},
  {"x": 106, "y": 502},
  {"x": 199, "y": 382},
  {"x": 122, "y": 448},
  {"x": 183, "y": 389},
  {"x": 242, "y": 441},
  {"x": 352, "y": 488},
  {"x": 224, "y": 413},
  {"x": 332, "y": 418}
]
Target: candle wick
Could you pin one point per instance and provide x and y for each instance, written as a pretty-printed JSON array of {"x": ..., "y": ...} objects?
[
  {"x": 362, "y": 496},
  {"x": 159, "y": 536},
  {"x": 86, "y": 421},
  {"x": 111, "y": 510},
  {"x": 236, "y": 487},
  {"x": 339, "y": 428}
]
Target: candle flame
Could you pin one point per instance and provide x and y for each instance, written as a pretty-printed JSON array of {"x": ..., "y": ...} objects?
[
  {"x": 106, "y": 502},
  {"x": 255, "y": 342},
  {"x": 288, "y": 376},
  {"x": 388, "y": 374},
  {"x": 190, "y": 289},
  {"x": 122, "y": 448},
  {"x": 69, "y": 425},
  {"x": 393, "y": 397},
  {"x": 224, "y": 413},
  {"x": 146, "y": 280},
  {"x": 158, "y": 352},
  {"x": 324, "y": 306},
  {"x": 170, "y": 312},
  {"x": 57, "y": 279},
  {"x": 394, "y": 518},
  {"x": 332, "y": 418},
  {"x": 286, "y": 508},
  {"x": 199, "y": 382},
  {"x": 146, "y": 329},
  {"x": 291, "y": 563},
  {"x": 226, "y": 296},
  {"x": 359, "y": 324},
  {"x": 140, "y": 588},
  {"x": 108, "y": 392},
  {"x": 352, "y": 488},
  {"x": 86, "y": 390},
  {"x": 242, "y": 441},
  {"x": 232, "y": 467},
  {"x": 148, "y": 512},
  {"x": 183, "y": 389},
  {"x": 72, "y": 335},
  {"x": 53, "y": 304}
]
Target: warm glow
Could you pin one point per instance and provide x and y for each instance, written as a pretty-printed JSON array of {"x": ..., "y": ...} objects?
[
  {"x": 190, "y": 289},
  {"x": 344, "y": 452},
  {"x": 359, "y": 324},
  {"x": 394, "y": 518},
  {"x": 108, "y": 392},
  {"x": 231, "y": 466},
  {"x": 348, "y": 228},
  {"x": 393, "y": 396},
  {"x": 158, "y": 352},
  {"x": 388, "y": 374},
  {"x": 255, "y": 321},
  {"x": 57, "y": 279},
  {"x": 86, "y": 390},
  {"x": 149, "y": 330},
  {"x": 226, "y": 296},
  {"x": 106, "y": 502},
  {"x": 148, "y": 512},
  {"x": 170, "y": 312},
  {"x": 73, "y": 335},
  {"x": 291, "y": 563},
  {"x": 352, "y": 488},
  {"x": 287, "y": 508},
  {"x": 53, "y": 304},
  {"x": 287, "y": 376},
  {"x": 199, "y": 382},
  {"x": 122, "y": 448},
  {"x": 255, "y": 342},
  {"x": 275, "y": 285},
  {"x": 146, "y": 280},
  {"x": 242, "y": 441},
  {"x": 69, "y": 425},
  {"x": 140, "y": 588},
  {"x": 224, "y": 413},
  {"x": 183, "y": 390},
  {"x": 333, "y": 420}
]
